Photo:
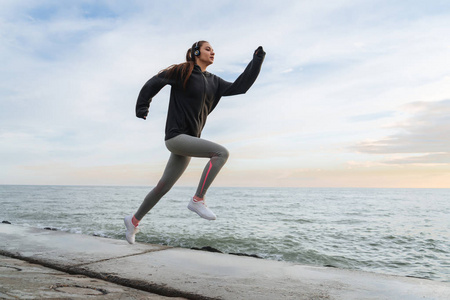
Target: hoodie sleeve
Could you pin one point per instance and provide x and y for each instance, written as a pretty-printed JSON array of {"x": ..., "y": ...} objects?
[
  {"x": 246, "y": 79},
  {"x": 148, "y": 91}
]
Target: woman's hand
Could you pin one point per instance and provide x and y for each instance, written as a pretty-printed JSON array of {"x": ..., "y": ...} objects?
[{"x": 260, "y": 51}]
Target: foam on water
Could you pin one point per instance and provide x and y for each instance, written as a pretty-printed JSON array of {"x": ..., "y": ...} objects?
[{"x": 394, "y": 231}]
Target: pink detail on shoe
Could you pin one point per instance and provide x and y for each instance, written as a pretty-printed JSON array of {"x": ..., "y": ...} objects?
[
  {"x": 197, "y": 199},
  {"x": 135, "y": 221}
]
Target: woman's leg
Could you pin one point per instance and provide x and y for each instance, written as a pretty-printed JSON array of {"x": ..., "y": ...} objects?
[
  {"x": 175, "y": 167},
  {"x": 186, "y": 145}
]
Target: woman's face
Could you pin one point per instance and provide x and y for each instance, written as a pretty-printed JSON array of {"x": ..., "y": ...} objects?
[{"x": 206, "y": 54}]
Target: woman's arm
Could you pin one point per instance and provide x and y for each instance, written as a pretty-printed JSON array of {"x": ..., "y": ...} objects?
[
  {"x": 148, "y": 91},
  {"x": 247, "y": 78}
]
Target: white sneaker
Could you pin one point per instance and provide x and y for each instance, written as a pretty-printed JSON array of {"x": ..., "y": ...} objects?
[
  {"x": 201, "y": 209},
  {"x": 131, "y": 229}
]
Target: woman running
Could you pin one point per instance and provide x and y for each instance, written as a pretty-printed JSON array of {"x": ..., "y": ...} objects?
[{"x": 193, "y": 96}]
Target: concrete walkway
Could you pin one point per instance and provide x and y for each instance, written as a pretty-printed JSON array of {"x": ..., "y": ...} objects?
[
  {"x": 23, "y": 280},
  {"x": 191, "y": 274}
]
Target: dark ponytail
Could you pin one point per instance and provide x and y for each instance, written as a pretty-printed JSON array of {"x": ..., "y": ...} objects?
[{"x": 184, "y": 70}]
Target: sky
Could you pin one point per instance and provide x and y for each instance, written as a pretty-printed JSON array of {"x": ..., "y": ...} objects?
[{"x": 352, "y": 93}]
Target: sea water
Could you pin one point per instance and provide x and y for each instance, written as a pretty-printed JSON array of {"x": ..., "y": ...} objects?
[{"x": 392, "y": 231}]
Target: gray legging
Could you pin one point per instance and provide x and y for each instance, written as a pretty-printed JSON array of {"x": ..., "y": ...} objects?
[{"x": 183, "y": 147}]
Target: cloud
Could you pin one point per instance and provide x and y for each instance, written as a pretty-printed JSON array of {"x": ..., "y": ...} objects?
[
  {"x": 371, "y": 116},
  {"x": 335, "y": 74},
  {"x": 424, "y": 135},
  {"x": 431, "y": 159}
]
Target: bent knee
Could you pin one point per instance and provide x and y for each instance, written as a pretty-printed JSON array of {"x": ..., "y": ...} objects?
[
  {"x": 223, "y": 154},
  {"x": 226, "y": 154}
]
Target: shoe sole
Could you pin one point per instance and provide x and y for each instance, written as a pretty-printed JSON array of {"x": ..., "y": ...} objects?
[{"x": 201, "y": 215}]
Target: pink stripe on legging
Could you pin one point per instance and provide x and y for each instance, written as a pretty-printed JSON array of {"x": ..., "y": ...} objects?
[{"x": 206, "y": 177}]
